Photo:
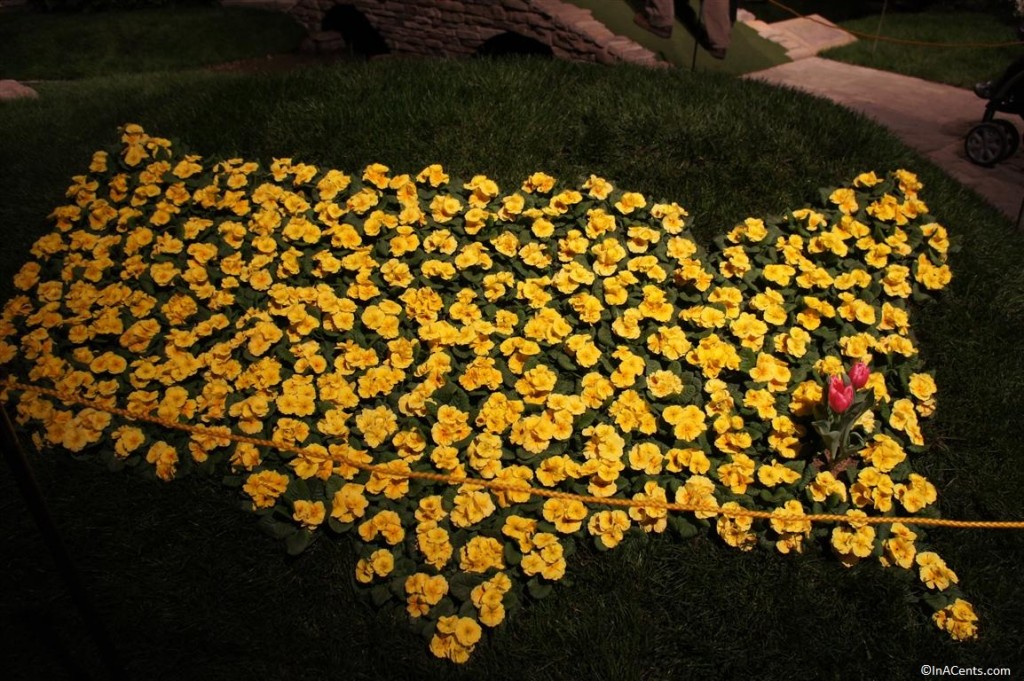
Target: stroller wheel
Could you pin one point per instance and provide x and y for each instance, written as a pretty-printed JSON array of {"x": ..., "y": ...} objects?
[
  {"x": 1010, "y": 136},
  {"x": 986, "y": 144}
]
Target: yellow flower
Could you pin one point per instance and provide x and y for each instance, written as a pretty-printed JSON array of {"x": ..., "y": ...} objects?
[
  {"x": 566, "y": 515},
  {"x": 387, "y": 524},
  {"x": 737, "y": 474},
  {"x": 455, "y": 638},
  {"x": 434, "y": 544},
  {"x": 380, "y": 564},
  {"x": 693, "y": 460},
  {"x": 872, "y": 488},
  {"x": 376, "y": 425},
  {"x": 735, "y": 530},
  {"x": 698, "y": 493},
  {"x": 904, "y": 417},
  {"x": 772, "y": 371},
  {"x": 424, "y": 591},
  {"x": 309, "y": 514},
  {"x": 127, "y": 439},
  {"x": 958, "y": 620},
  {"x": 265, "y": 487},
  {"x": 472, "y": 505},
  {"x": 933, "y": 571},
  {"x": 298, "y": 397},
  {"x": 899, "y": 548},
  {"x": 688, "y": 422},
  {"x": 762, "y": 401},
  {"x": 547, "y": 326},
  {"x": 498, "y": 413},
  {"x": 922, "y": 386},
  {"x": 883, "y": 453},
  {"x": 855, "y": 541},
  {"x": 663, "y": 383},
  {"x": 787, "y": 523},
  {"x": 349, "y": 503},
  {"x": 713, "y": 355},
  {"x": 392, "y": 479},
  {"x": 536, "y": 384},
  {"x": 776, "y": 474},
  {"x": 845, "y": 199},
  {"x": 609, "y": 527},
  {"x": 607, "y": 255},
  {"x": 778, "y": 273},
  {"x": 650, "y": 518},
  {"x": 824, "y": 485},
  {"x": 735, "y": 262},
  {"x": 629, "y": 202},
  {"x": 481, "y": 554},
  {"x": 916, "y": 495}
]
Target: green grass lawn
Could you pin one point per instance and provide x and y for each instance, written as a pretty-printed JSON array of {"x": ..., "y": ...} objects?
[
  {"x": 960, "y": 66},
  {"x": 82, "y": 45},
  {"x": 191, "y": 589}
]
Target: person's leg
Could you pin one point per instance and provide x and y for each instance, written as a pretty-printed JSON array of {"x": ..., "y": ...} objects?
[
  {"x": 658, "y": 17},
  {"x": 717, "y": 17}
]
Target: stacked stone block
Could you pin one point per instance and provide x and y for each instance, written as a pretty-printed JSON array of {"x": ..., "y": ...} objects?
[{"x": 457, "y": 28}]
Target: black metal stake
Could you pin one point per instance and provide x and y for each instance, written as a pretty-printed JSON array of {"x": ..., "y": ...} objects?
[{"x": 14, "y": 455}]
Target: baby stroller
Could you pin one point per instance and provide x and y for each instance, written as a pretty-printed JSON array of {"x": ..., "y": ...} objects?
[{"x": 994, "y": 139}]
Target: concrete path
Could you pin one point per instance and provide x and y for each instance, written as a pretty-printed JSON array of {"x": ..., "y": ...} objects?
[{"x": 932, "y": 118}]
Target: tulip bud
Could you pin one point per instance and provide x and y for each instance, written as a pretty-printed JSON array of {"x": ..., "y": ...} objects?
[
  {"x": 859, "y": 374},
  {"x": 840, "y": 395}
]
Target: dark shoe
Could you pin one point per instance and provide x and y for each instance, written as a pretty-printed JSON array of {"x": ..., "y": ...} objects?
[
  {"x": 983, "y": 89},
  {"x": 640, "y": 20},
  {"x": 717, "y": 52}
]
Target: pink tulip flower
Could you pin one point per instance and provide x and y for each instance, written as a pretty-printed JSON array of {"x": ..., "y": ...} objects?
[
  {"x": 840, "y": 395},
  {"x": 859, "y": 374}
]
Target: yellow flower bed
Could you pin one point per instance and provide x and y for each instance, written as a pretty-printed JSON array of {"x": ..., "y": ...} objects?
[{"x": 573, "y": 339}]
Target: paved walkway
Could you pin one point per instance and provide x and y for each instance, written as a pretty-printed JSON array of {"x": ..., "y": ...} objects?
[{"x": 932, "y": 118}]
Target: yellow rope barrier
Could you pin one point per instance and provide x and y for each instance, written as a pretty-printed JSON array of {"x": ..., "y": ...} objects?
[
  {"x": 887, "y": 39},
  {"x": 508, "y": 487}
]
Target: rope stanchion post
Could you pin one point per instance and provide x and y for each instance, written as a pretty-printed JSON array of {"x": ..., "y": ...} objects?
[
  {"x": 14, "y": 455},
  {"x": 878, "y": 31}
]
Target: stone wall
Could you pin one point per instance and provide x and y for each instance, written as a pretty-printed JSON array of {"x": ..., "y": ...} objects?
[{"x": 455, "y": 28}]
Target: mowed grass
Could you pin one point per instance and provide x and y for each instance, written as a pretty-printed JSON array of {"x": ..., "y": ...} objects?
[
  {"x": 960, "y": 66},
  {"x": 36, "y": 45},
  {"x": 192, "y": 590}
]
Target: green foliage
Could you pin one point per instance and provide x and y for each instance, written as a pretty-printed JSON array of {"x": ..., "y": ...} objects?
[{"x": 156, "y": 556}]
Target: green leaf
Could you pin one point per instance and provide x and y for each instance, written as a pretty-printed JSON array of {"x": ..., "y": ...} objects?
[
  {"x": 338, "y": 526},
  {"x": 563, "y": 361},
  {"x": 586, "y": 419},
  {"x": 276, "y": 529},
  {"x": 380, "y": 595},
  {"x": 461, "y": 585},
  {"x": 512, "y": 554},
  {"x": 538, "y": 589},
  {"x": 684, "y": 528},
  {"x": 445, "y": 608},
  {"x": 298, "y": 541}
]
